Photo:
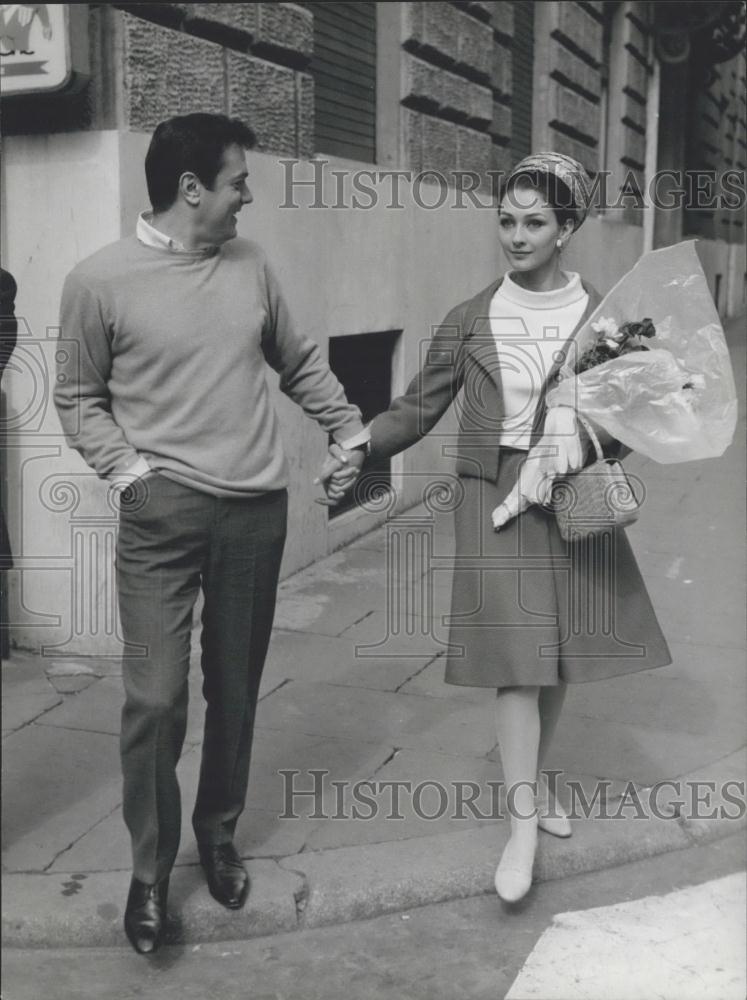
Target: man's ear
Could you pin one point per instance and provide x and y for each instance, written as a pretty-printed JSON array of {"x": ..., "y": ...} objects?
[{"x": 190, "y": 188}]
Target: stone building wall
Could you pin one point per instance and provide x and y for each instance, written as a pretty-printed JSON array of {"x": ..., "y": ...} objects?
[
  {"x": 502, "y": 85},
  {"x": 153, "y": 60},
  {"x": 567, "y": 84},
  {"x": 592, "y": 73},
  {"x": 246, "y": 60},
  {"x": 446, "y": 95},
  {"x": 717, "y": 143},
  {"x": 459, "y": 108},
  {"x": 629, "y": 90}
]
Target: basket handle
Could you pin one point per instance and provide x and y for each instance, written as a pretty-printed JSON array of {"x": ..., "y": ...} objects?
[{"x": 592, "y": 434}]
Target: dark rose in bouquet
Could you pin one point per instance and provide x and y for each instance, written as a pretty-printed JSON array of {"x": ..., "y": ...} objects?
[{"x": 613, "y": 341}]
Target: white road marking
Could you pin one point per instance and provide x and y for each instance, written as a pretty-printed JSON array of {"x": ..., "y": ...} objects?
[{"x": 686, "y": 945}]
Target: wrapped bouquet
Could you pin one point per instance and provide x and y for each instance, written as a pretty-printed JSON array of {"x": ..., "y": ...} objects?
[{"x": 651, "y": 365}]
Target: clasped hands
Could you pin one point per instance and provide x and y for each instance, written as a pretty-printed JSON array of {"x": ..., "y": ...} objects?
[
  {"x": 558, "y": 452},
  {"x": 339, "y": 472}
]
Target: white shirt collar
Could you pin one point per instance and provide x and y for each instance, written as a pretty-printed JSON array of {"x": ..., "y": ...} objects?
[
  {"x": 147, "y": 233},
  {"x": 572, "y": 291}
]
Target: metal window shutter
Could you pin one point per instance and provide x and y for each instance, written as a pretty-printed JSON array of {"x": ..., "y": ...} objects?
[
  {"x": 523, "y": 67},
  {"x": 344, "y": 71}
]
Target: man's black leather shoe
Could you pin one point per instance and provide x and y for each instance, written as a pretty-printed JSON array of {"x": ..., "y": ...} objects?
[
  {"x": 227, "y": 878},
  {"x": 145, "y": 914}
]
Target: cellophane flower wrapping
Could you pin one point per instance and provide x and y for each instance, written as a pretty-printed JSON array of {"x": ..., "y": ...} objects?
[{"x": 677, "y": 401}]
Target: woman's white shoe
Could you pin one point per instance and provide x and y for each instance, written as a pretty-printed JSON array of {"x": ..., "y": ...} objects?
[
  {"x": 513, "y": 876},
  {"x": 550, "y": 816}
]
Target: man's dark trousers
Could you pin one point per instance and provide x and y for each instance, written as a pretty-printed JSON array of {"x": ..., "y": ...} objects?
[{"x": 173, "y": 539}]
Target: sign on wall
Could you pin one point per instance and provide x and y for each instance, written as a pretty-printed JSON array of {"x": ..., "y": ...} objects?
[{"x": 35, "y": 50}]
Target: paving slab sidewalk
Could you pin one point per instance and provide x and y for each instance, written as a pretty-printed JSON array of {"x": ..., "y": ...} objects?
[{"x": 352, "y": 694}]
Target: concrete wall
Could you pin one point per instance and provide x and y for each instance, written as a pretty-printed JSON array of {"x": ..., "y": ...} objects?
[{"x": 63, "y": 196}]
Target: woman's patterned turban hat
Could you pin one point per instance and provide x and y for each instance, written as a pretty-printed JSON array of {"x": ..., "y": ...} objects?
[{"x": 567, "y": 170}]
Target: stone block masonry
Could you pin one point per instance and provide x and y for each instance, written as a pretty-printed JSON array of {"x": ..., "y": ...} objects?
[
  {"x": 503, "y": 21},
  {"x": 502, "y": 73},
  {"x": 446, "y": 87},
  {"x": 473, "y": 150},
  {"x": 439, "y": 145},
  {"x": 444, "y": 94},
  {"x": 275, "y": 100},
  {"x": 168, "y": 72},
  {"x": 502, "y": 84},
  {"x": 632, "y": 111},
  {"x": 578, "y": 28},
  {"x": 449, "y": 35},
  {"x": 568, "y": 86},
  {"x": 573, "y": 114},
  {"x": 231, "y": 23},
  {"x": 501, "y": 159},
  {"x": 474, "y": 48},
  {"x": 150, "y": 61},
  {"x": 716, "y": 143},
  {"x": 501, "y": 124},
  {"x": 286, "y": 30},
  {"x": 573, "y": 71}
]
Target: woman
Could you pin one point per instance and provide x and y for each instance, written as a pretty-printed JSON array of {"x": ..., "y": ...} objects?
[{"x": 532, "y": 612}]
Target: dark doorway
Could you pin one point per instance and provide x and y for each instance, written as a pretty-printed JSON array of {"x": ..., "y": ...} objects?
[{"x": 363, "y": 364}]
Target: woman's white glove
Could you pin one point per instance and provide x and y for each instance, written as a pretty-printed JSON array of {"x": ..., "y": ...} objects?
[{"x": 558, "y": 452}]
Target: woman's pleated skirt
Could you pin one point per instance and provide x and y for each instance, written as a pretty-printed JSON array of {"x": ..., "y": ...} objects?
[{"x": 529, "y": 608}]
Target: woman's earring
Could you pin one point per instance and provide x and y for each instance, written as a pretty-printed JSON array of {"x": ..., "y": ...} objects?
[{"x": 559, "y": 244}]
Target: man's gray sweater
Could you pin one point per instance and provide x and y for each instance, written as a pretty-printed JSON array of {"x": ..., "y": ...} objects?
[{"x": 171, "y": 366}]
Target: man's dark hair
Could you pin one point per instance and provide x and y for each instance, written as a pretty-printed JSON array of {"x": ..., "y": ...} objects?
[
  {"x": 557, "y": 194},
  {"x": 190, "y": 143}
]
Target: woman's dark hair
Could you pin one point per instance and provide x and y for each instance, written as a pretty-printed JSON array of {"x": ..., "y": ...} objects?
[
  {"x": 190, "y": 142},
  {"x": 557, "y": 194}
]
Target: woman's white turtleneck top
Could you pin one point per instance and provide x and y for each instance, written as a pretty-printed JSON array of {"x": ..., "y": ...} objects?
[{"x": 529, "y": 329}]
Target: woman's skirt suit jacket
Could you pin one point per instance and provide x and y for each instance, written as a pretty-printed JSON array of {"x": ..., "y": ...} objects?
[{"x": 528, "y": 608}]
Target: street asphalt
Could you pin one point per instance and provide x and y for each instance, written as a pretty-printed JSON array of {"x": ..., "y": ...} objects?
[{"x": 353, "y": 694}]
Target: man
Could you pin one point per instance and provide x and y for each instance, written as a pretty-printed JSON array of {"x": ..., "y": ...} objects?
[{"x": 175, "y": 325}]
